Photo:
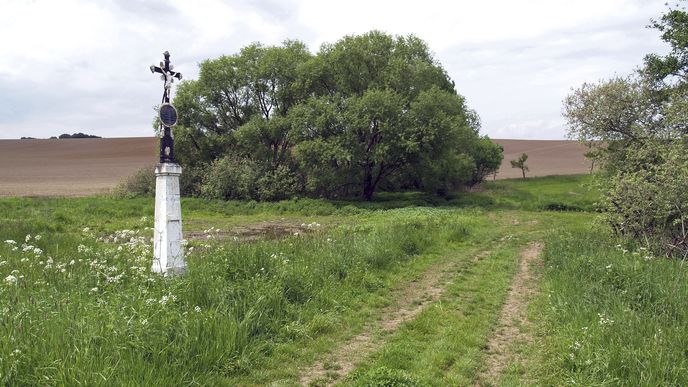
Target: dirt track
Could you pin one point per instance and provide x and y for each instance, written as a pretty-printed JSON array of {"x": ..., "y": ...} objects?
[{"x": 78, "y": 167}]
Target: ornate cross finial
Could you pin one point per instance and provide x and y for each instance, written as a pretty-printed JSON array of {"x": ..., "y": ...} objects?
[{"x": 167, "y": 112}]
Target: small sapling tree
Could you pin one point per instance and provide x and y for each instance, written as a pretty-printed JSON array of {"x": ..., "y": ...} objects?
[{"x": 521, "y": 164}]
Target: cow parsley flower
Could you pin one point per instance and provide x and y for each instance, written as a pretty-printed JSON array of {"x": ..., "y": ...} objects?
[
  {"x": 10, "y": 242},
  {"x": 10, "y": 279},
  {"x": 197, "y": 309}
]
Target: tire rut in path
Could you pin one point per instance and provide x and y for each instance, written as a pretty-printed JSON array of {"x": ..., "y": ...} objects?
[
  {"x": 514, "y": 316},
  {"x": 411, "y": 300}
]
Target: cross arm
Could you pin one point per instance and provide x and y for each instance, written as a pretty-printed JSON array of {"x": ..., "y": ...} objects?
[{"x": 156, "y": 69}]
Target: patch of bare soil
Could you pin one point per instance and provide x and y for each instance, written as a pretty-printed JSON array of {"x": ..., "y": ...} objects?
[
  {"x": 513, "y": 323},
  {"x": 273, "y": 229},
  {"x": 412, "y": 299}
]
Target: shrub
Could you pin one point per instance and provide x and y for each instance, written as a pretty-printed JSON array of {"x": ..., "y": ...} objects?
[
  {"x": 141, "y": 183},
  {"x": 231, "y": 177},
  {"x": 278, "y": 184},
  {"x": 646, "y": 199}
]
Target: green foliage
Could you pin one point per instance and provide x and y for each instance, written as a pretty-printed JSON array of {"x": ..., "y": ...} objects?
[
  {"x": 636, "y": 127},
  {"x": 646, "y": 198},
  {"x": 141, "y": 183},
  {"x": 367, "y": 111},
  {"x": 231, "y": 177},
  {"x": 278, "y": 184},
  {"x": 488, "y": 157}
]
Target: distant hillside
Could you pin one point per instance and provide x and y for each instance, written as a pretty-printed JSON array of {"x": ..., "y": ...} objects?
[
  {"x": 545, "y": 157},
  {"x": 83, "y": 166}
]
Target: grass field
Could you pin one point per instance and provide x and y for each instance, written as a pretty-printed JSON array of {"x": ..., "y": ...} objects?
[{"x": 410, "y": 289}]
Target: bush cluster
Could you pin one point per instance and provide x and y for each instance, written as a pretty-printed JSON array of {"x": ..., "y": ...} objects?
[{"x": 637, "y": 126}]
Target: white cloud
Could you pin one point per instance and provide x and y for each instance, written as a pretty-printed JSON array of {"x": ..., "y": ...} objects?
[{"x": 78, "y": 65}]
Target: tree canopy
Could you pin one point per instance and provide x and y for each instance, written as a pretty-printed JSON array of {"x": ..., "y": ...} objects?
[{"x": 365, "y": 112}]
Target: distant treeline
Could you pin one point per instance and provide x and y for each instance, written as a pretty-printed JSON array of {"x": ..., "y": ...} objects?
[
  {"x": 65, "y": 135},
  {"x": 77, "y": 135}
]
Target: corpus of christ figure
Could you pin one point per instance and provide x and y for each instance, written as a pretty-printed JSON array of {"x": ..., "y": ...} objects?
[{"x": 167, "y": 75}]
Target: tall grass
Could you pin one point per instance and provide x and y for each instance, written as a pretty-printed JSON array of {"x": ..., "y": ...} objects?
[
  {"x": 615, "y": 315},
  {"x": 91, "y": 312}
]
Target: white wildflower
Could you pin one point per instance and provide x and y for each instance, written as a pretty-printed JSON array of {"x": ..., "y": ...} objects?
[
  {"x": 93, "y": 290},
  {"x": 150, "y": 301},
  {"x": 197, "y": 309},
  {"x": 604, "y": 320},
  {"x": 86, "y": 229},
  {"x": 144, "y": 322},
  {"x": 10, "y": 242},
  {"x": 28, "y": 237},
  {"x": 163, "y": 300},
  {"x": 37, "y": 251},
  {"x": 71, "y": 262},
  {"x": 2, "y": 263},
  {"x": 10, "y": 279}
]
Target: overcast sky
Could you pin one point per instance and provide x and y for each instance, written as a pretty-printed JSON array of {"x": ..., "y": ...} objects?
[{"x": 82, "y": 66}]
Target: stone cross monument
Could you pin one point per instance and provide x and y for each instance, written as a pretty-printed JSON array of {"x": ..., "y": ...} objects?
[{"x": 168, "y": 251}]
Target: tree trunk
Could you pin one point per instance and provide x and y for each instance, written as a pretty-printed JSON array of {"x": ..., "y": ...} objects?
[
  {"x": 368, "y": 187},
  {"x": 523, "y": 170}
]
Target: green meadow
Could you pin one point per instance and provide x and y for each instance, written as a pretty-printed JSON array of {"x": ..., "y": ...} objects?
[{"x": 273, "y": 288}]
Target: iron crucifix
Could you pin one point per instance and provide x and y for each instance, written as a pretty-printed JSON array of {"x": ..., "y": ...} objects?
[{"x": 167, "y": 75}]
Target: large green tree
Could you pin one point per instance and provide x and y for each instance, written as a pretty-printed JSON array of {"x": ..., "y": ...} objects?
[
  {"x": 367, "y": 111},
  {"x": 387, "y": 108}
]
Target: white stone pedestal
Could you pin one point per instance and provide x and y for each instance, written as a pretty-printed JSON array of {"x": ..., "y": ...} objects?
[{"x": 168, "y": 252}]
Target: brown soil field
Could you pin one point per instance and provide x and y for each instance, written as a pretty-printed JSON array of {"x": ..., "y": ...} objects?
[
  {"x": 79, "y": 167},
  {"x": 545, "y": 157},
  {"x": 71, "y": 167}
]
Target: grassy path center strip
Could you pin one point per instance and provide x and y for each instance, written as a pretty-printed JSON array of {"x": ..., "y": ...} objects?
[
  {"x": 512, "y": 319},
  {"x": 412, "y": 300}
]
